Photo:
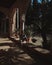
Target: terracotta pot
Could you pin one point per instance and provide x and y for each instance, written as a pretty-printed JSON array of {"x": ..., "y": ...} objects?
[{"x": 28, "y": 40}]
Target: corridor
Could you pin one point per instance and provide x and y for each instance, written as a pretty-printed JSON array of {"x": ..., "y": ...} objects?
[{"x": 25, "y": 32}]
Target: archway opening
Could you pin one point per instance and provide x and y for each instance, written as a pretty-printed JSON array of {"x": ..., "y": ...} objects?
[{"x": 4, "y": 25}]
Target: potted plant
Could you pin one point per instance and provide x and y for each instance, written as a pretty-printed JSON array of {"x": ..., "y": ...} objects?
[{"x": 28, "y": 33}]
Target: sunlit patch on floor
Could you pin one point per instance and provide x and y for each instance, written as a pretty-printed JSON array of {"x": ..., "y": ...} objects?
[{"x": 23, "y": 59}]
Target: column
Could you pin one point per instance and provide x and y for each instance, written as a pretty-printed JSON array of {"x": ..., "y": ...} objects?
[
  {"x": 14, "y": 24},
  {"x": 17, "y": 20}
]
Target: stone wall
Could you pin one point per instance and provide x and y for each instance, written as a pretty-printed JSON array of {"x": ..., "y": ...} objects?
[{"x": 9, "y": 12}]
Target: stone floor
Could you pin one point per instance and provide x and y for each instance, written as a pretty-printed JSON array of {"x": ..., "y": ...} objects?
[
  {"x": 12, "y": 55},
  {"x": 5, "y": 40}
]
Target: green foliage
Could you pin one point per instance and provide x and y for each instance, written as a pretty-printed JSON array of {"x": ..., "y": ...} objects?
[{"x": 28, "y": 31}]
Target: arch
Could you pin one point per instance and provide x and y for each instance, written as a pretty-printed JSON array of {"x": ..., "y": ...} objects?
[
  {"x": 4, "y": 10},
  {"x": 2, "y": 15}
]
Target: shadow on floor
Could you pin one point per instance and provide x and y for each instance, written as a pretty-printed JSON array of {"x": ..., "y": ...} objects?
[{"x": 20, "y": 55}]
